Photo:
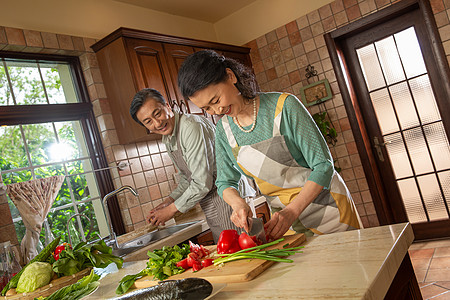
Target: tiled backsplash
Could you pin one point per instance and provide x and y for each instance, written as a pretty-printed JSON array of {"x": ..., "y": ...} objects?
[{"x": 279, "y": 59}]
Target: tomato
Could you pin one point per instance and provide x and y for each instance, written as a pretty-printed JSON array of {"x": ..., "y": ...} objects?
[
  {"x": 256, "y": 240},
  {"x": 228, "y": 242},
  {"x": 56, "y": 256},
  {"x": 183, "y": 264},
  {"x": 246, "y": 241},
  {"x": 207, "y": 262},
  {"x": 198, "y": 249},
  {"x": 197, "y": 266},
  {"x": 192, "y": 258}
]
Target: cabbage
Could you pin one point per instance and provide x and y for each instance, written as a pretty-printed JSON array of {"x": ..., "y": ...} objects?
[{"x": 34, "y": 276}]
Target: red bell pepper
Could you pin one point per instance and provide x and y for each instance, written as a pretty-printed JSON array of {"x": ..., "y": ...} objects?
[
  {"x": 60, "y": 249},
  {"x": 228, "y": 242}
]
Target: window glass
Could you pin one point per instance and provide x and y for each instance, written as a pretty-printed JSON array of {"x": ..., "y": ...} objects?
[
  {"x": 24, "y": 82},
  {"x": 39, "y": 150}
]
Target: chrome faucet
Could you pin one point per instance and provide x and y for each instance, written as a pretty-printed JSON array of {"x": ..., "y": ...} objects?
[
  {"x": 112, "y": 236},
  {"x": 91, "y": 228}
]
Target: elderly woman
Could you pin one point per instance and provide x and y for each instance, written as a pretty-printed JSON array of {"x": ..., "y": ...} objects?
[{"x": 271, "y": 138}]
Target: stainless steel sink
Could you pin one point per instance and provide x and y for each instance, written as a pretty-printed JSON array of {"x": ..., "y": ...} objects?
[{"x": 149, "y": 238}]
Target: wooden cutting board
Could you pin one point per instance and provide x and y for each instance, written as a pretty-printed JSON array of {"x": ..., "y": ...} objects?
[
  {"x": 235, "y": 271},
  {"x": 50, "y": 288}
]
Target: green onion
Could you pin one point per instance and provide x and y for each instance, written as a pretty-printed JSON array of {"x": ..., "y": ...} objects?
[{"x": 257, "y": 252}]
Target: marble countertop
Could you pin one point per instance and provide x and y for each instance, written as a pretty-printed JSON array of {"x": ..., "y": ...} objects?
[{"x": 359, "y": 264}]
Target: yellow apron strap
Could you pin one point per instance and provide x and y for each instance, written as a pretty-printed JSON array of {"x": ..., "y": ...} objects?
[{"x": 280, "y": 103}]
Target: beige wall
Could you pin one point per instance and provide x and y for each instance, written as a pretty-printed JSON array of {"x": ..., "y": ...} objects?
[
  {"x": 261, "y": 17},
  {"x": 96, "y": 19}
]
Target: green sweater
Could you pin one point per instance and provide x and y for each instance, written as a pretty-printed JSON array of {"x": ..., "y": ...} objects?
[{"x": 303, "y": 139}]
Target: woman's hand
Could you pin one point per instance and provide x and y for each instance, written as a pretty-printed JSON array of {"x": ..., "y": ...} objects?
[
  {"x": 241, "y": 212},
  {"x": 279, "y": 223}
]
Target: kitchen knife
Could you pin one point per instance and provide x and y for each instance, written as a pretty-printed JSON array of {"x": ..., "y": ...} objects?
[{"x": 256, "y": 227}]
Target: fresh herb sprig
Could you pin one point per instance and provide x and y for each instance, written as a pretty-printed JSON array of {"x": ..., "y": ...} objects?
[
  {"x": 127, "y": 282},
  {"x": 258, "y": 252}
]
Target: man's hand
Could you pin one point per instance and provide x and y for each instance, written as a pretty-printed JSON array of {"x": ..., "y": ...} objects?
[
  {"x": 159, "y": 216},
  {"x": 165, "y": 203}
]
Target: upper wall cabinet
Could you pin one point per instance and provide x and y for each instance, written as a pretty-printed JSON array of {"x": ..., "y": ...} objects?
[{"x": 131, "y": 60}]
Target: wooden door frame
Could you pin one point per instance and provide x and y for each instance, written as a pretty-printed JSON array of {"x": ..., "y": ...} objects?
[{"x": 386, "y": 210}]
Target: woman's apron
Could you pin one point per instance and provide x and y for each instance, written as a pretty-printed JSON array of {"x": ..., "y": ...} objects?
[
  {"x": 216, "y": 210},
  {"x": 280, "y": 178}
]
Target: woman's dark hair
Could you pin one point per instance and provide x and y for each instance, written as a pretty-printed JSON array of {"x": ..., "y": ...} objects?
[
  {"x": 206, "y": 67},
  {"x": 141, "y": 97}
]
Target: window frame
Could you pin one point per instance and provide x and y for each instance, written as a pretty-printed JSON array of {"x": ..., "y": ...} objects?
[{"x": 82, "y": 111}]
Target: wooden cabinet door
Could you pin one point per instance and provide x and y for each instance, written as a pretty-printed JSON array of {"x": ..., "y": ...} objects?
[
  {"x": 149, "y": 66},
  {"x": 176, "y": 54}
]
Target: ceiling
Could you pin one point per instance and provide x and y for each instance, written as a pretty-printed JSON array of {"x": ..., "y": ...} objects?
[{"x": 205, "y": 10}]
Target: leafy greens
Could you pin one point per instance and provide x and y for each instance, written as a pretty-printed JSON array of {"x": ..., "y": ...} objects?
[{"x": 85, "y": 255}]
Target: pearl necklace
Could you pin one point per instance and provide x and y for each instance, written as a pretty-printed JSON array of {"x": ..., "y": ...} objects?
[{"x": 254, "y": 119}]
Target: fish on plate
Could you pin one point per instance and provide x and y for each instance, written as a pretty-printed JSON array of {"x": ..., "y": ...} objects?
[{"x": 183, "y": 289}]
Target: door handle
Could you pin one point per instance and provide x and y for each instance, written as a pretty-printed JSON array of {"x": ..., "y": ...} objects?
[{"x": 378, "y": 146}]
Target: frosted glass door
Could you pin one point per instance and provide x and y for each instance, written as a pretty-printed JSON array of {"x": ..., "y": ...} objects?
[{"x": 411, "y": 126}]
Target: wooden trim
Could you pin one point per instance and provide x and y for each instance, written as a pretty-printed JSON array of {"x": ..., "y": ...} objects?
[
  {"x": 145, "y": 35},
  {"x": 40, "y": 57},
  {"x": 434, "y": 230},
  {"x": 404, "y": 285},
  {"x": 443, "y": 69},
  {"x": 104, "y": 179},
  {"x": 96, "y": 149},
  {"x": 26, "y": 114},
  {"x": 359, "y": 132},
  {"x": 381, "y": 16}
]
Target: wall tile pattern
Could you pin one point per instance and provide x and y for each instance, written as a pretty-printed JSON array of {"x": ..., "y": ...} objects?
[
  {"x": 279, "y": 59},
  {"x": 280, "y": 64}
]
